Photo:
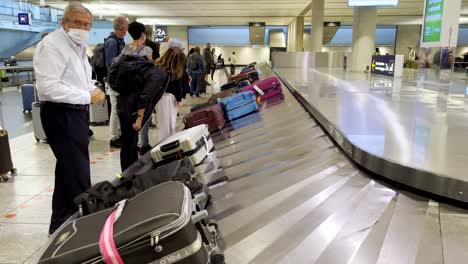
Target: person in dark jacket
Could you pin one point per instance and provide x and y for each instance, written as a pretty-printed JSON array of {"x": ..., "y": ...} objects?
[
  {"x": 208, "y": 56},
  {"x": 134, "y": 107},
  {"x": 150, "y": 43},
  {"x": 112, "y": 48}
]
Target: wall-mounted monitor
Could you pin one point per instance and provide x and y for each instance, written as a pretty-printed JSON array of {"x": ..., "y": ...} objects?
[{"x": 353, "y": 3}]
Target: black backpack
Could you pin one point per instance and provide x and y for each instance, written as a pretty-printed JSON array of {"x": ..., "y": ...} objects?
[
  {"x": 128, "y": 73},
  {"x": 98, "y": 61}
]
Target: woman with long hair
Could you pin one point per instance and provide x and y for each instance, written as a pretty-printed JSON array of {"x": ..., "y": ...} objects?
[
  {"x": 167, "y": 107},
  {"x": 136, "y": 108}
]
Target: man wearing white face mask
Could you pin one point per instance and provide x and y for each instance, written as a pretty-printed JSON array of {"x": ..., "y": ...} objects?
[{"x": 65, "y": 89}]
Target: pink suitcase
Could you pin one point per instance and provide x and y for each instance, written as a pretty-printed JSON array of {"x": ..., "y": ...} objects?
[{"x": 266, "y": 88}]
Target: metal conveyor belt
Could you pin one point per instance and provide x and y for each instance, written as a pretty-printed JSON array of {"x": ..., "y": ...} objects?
[{"x": 293, "y": 197}]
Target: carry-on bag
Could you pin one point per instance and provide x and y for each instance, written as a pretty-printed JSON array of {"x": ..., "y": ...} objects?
[
  {"x": 156, "y": 226},
  {"x": 264, "y": 89},
  {"x": 239, "y": 104},
  {"x": 229, "y": 85},
  {"x": 244, "y": 83},
  {"x": 247, "y": 69},
  {"x": 6, "y": 164},
  {"x": 252, "y": 76},
  {"x": 214, "y": 98},
  {"x": 212, "y": 115},
  {"x": 138, "y": 178},
  {"x": 201, "y": 106},
  {"x": 194, "y": 143},
  {"x": 38, "y": 129},
  {"x": 99, "y": 113},
  {"x": 27, "y": 92}
]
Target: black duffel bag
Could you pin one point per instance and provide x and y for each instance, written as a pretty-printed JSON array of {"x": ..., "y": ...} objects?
[{"x": 105, "y": 195}]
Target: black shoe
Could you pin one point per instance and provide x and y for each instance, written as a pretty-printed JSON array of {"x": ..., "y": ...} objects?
[
  {"x": 208, "y": 84},
  {"x": 91, "y": 133},
  {"x": 115, "y": 143},
  {"x": 198, "y": 95},
  {"x": 144, "y": 149}
]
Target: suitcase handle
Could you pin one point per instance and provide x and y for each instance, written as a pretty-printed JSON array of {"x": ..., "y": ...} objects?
[{"x": 170, "y": 146}]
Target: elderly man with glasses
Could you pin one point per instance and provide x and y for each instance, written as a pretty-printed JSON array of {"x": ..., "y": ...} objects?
[{"x": 65, "y": 89}]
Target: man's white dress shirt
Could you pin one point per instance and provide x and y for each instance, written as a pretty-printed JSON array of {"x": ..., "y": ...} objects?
[{"x": 63, "y": 73}]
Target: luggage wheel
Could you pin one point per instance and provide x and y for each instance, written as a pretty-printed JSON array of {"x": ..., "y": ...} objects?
[
  {"x": 4, "y": 178},
  {"x": 214, "y": 224},
  {"x": 217, "y": 257},
  {"x": 37, "y": 140},
  {"x": 14, "y": 171}
]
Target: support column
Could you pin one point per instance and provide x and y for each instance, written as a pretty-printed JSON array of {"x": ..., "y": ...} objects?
[
  {"x": 292, "y": 36},
  {"x": 316, "y": 33},
  {"x": 299, "y": 25},
  {"x": 364, "y": 27}
]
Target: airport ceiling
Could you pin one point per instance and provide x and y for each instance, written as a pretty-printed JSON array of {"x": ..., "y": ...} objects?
[{"x": 240, "y": 12}]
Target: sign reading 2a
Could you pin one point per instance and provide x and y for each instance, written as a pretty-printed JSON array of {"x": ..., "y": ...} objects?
[{"x": 160, "y": 33}]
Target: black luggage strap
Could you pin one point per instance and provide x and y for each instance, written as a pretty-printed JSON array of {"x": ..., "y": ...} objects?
[{"x": 180, "y": 154}]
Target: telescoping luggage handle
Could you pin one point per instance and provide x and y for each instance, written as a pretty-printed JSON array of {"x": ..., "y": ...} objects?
[{"x": 107, "y": 246}]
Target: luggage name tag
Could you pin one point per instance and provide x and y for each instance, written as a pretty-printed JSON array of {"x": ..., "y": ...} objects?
[
  {"x": 208, "y": 153},
  {"x": 258, "y": 90}
]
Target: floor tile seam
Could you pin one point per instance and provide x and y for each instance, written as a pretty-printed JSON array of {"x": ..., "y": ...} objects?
[{"x": 33, "y": 197}]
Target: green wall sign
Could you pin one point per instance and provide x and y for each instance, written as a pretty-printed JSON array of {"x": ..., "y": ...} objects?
[{"x": 433, "y": 20}]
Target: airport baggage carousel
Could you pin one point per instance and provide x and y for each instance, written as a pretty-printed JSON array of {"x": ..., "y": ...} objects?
[{"x": 293, "y": 196}]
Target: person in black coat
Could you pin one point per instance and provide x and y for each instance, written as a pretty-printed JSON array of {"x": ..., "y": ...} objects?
[{"x": 135, "y": 109}]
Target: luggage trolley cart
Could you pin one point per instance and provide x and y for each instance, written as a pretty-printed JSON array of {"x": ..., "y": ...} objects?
[{"x": 6, "y": 164}]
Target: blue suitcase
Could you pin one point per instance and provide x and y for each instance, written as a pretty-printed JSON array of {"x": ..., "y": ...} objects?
[
  {"x": 239, "y": 105},
  {"x": 27, "y": 92}
]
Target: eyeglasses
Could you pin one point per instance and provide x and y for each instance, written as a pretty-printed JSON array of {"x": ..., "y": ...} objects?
[{"x": 80, "y": 24}]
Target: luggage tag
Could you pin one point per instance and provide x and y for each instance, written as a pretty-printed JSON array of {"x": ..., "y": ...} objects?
[
  {"x": 258, "y": 90},
  {"x": 208, "y": 153}
]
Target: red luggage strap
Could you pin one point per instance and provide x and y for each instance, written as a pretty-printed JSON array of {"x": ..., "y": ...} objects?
[{"x": 107, "y": 246}]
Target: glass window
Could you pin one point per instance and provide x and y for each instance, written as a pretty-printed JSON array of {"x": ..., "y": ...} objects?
[
  {"x": 235, "y": 36},
  {"x": 383, "y": 36},
  {"x": 343, "y": 37},
  {"x": 463, "y": 36}
]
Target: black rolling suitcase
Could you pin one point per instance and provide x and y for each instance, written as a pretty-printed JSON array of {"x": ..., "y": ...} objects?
[
  {"x": 157, "y": 226},
  {"x": 6, "y": 164}
]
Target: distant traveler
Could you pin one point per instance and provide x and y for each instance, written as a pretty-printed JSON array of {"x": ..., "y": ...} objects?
[
  {"x": 63, "y": 81},
  {"x": 215, "y": 61},
  {"x": 150, "y": 43},
  {"x": 113, "y": 47},
  {"x": 377, "y": 51},
  {"x": 167, "y": 107},
  {"x": 137, "y": 47},
  {"x": 233, "y": 60},
  {"x": 196, "y": 66},
  {"x": 208, "y": 56}
]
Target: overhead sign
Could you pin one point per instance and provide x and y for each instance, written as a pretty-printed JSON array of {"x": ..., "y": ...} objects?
[
  {"x": 24, "y": 19},
  {"x": 441, "y": 23},
  {"x": 383, "y": 65},
  {"x": 161, "y": 33},
  {"x": 433, "y": 20},
  {"x": 372, "y": 2}
]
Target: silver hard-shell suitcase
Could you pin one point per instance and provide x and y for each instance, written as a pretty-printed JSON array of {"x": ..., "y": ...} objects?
[{"x": 194, "y": 143}]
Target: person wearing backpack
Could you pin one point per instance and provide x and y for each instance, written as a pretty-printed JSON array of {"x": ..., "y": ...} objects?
[
  {"x": 113, "y": 46},
  {"x": 196, "y": 66},
  {"x": 141, "y": 84}
]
